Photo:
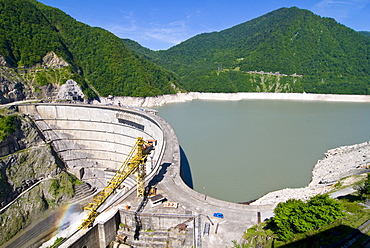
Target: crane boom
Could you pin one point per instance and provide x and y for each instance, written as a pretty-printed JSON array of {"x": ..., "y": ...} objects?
[{"x": 135, "y": 162}]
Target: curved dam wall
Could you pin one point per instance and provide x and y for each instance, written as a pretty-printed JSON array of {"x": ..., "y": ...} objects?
[{"x": 94, "y": 141}]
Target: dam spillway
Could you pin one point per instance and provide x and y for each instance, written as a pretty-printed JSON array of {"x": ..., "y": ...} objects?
[{"x": 93, "y": 141}]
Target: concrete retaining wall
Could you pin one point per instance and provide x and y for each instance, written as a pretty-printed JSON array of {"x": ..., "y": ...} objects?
[
  {"x": 89, "y": 240},
  {"x": 100, "y": 235},
  {"x": 108, "y": 230},
  {"x": 152, "y": 221}
]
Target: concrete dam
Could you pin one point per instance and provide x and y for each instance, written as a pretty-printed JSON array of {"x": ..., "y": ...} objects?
[{"x": 93, "y": 141}]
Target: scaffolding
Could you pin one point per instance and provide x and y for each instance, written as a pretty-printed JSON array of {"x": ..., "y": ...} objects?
[{"x": 135, "y": 162}]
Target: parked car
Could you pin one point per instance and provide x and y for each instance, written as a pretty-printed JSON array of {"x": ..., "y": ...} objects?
[{"x": 218, "y": 215}]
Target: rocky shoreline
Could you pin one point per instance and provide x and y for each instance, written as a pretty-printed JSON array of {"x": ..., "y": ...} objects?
[
  {"x": 338, "y": 163},
  {"x": 184, "y": 97}
]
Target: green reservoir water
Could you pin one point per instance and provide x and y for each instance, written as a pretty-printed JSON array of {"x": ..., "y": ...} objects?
[{"x": 241, "y": 150}]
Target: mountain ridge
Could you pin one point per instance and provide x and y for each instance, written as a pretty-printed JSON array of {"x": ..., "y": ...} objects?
[
  {"x": 29, "y": 30},
  {"x": 329, "y": 55},
  {"x": 286, "y": 50}
]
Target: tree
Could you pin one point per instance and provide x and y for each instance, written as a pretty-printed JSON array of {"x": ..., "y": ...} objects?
[
  {"x": 364, "y": 189},
  {"x": 295, "y": 216},
  {"x": 7, "y": 126}
]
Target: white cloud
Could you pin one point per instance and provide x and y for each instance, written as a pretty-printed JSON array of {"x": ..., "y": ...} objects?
[
  {"x": 169, "y": 34},
  {"x": 129, "y": 26},
  {"x": 154, "y": 30},
  {"x": 172, "y": 33},
  {"x": 339, "y": 9}
]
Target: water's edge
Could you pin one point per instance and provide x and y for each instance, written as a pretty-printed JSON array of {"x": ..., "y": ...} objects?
[
  {"x": 337, "y": 164},
  {"x": 183, "y": 97},
  {"x": 321, "y": 180}
]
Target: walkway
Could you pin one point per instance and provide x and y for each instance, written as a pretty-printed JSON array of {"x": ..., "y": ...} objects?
[{"x": 21, "y": 194}]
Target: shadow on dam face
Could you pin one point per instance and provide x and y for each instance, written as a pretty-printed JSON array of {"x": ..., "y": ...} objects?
[{"x": 185, "y": 169}]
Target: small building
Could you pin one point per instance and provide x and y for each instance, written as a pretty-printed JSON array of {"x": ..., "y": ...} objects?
[{"x": 156, "y": 200}]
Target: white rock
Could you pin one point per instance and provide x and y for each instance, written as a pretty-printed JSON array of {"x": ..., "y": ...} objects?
[
  {"x": 337, "y": 164},
  {"x": 183, "y": 97},
  {"x": 70, "y": 90}
]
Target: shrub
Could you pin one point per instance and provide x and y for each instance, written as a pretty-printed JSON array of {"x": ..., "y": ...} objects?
[
  {"x": 7, "y": 126},
  {"x": 364, "y": 188},
  {"x": 296, "y": 216}
]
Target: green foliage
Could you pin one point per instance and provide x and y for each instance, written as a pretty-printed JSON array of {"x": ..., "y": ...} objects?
[
  {"x": 338, "y": 185},
  {"x": 296, "y": 216},
  {"x": 106, "y": 63},
  {"x": 351, "y": 207},
  {"x": 62, "y": 184},
  {"x": 57, "y": 242},
  {"x": 29, "y": 30},
  {"x": 7, "y": 126},
  {"x": 327, "y": 56},
  {"x": 43, "y": 77},
  {"x": 266, "y": 233},
  {"x": 25, "y": 35},
  {"x": 366, "y": 33},
  {"x": 330, "y": 57},
  {"x": 78, "y": 182},
  {"x": 236, "y": 245},
  {"x": 364, "y": 188},
  {"x": 257, "y": 236}
]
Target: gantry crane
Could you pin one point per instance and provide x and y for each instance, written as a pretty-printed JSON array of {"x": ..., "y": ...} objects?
[{"x": 135, "y": 162}]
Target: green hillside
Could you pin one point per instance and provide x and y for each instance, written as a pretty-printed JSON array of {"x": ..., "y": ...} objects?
[
  {"x": 303, "y": 52},
  {"x": 366, "y": 33},
  {"x": 287, "y": 50},
  {"x": 29, "y": 30}
]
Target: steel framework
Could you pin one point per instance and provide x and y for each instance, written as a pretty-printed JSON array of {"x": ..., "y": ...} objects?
[{"x": 135, "y": 162}]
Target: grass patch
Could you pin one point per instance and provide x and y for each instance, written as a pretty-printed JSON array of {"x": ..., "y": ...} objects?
[
  {"x": 78, "y": 182},
  {"x": 122, "y": 226},
  {"x": 57, "y": 242},
  {"x": 7, "y": 126},
  {"x": 338, "y": 185},
  {"x": 63, "y": 183}
]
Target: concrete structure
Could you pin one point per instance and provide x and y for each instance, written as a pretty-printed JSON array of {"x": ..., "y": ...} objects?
[{"x": 94, "y": 140}]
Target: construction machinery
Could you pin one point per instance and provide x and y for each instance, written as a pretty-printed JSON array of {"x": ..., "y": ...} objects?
[{"x": 135, "y": 162}]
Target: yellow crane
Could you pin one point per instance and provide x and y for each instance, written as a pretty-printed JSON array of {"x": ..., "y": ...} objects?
[{"x": 135, "y": 162}]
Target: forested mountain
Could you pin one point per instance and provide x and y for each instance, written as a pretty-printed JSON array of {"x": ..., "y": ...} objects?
[
  {"x": 287, "y": 50},
  {"x": 30, "y": 30},
  {"x": 365, "y": 33}
]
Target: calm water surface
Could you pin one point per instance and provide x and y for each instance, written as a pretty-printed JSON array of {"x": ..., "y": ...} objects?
[{"x": 239, "y": 151}]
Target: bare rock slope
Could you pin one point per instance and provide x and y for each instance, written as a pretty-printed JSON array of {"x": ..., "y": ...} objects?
[{"x": 32, "y": 179}]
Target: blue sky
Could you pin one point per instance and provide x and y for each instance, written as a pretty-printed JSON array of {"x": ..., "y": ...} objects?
[{"x": 160, "y": 24}]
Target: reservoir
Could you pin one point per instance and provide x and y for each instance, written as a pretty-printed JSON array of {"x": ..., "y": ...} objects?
[{"x": 240, "y": 150}]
